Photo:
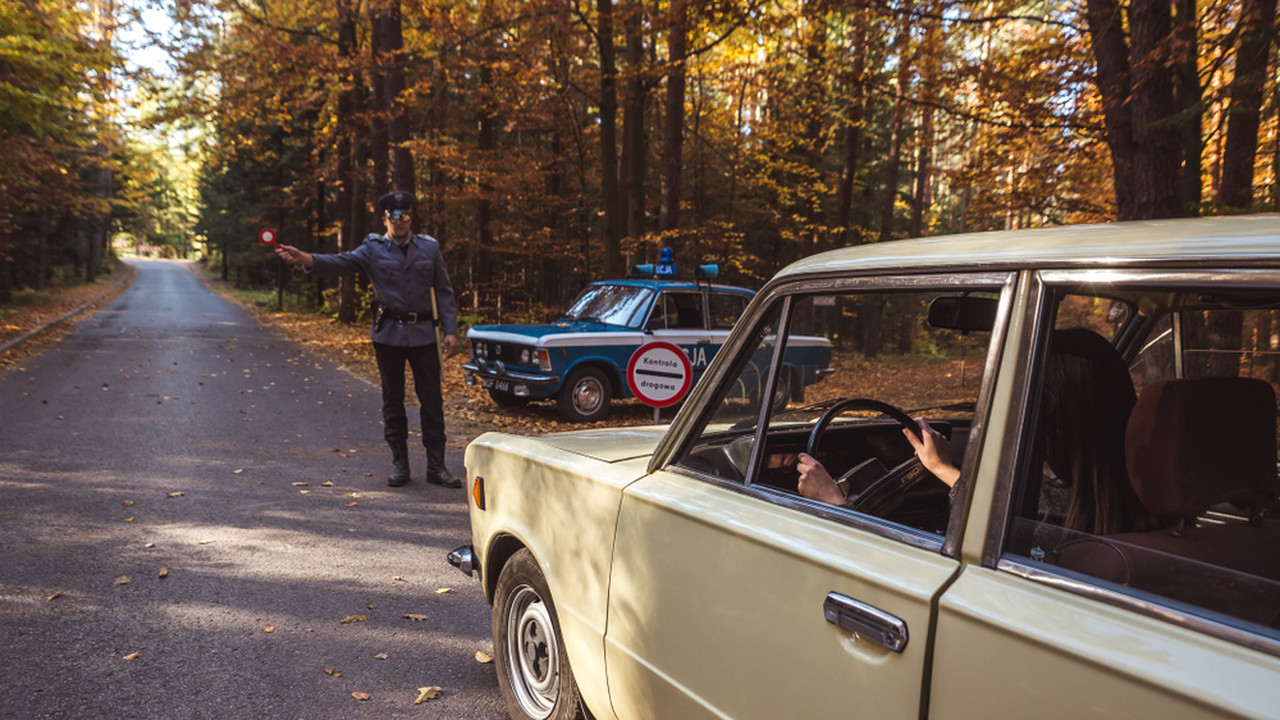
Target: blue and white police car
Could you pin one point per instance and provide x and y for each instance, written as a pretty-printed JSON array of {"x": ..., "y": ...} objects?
[{"x": 580, "y": 360}]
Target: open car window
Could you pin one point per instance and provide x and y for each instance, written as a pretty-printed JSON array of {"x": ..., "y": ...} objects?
[
  {"x": 850, "y": 370},
  {"x": 1149, "y": 465}
]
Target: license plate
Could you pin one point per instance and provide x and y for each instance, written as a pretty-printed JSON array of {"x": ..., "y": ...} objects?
[{"x": 495, "y": 384}]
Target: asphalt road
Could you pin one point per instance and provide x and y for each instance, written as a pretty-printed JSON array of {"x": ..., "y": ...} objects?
[{"x": 169, "y": 434}]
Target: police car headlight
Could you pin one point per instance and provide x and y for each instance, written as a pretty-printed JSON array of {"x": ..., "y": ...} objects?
[{"x": 525, "y": 356}]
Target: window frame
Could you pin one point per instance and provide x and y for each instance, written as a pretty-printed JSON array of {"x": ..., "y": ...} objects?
[
  {"x": 687, "y": 426},
  {"x": 1038, "y": 322}
]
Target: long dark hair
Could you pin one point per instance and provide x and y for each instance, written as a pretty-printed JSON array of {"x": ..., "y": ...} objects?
[{"x": 1088, "y": 398}]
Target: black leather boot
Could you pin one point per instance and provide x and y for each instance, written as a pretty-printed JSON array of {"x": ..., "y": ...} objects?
[
  {"x": 400, "y": 458},
  {"x": 437, "y": 473}
]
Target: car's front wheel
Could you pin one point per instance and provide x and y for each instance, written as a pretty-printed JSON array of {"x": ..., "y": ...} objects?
[
  {"x": 533, "y": 669},
  {"x": 585, "y": 396}
]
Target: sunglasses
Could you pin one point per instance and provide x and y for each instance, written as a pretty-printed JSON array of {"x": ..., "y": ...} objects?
[{"x": 399, "y": 216}]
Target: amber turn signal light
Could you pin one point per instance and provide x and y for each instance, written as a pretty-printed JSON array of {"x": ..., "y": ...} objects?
[{"x": 477, "y": 492}]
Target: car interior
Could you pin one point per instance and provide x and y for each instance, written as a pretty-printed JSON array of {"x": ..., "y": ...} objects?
[{"x": 1176, "y": 491}]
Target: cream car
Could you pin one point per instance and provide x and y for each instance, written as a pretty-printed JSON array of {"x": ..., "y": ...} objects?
[{"x": 1111, "y": 546}]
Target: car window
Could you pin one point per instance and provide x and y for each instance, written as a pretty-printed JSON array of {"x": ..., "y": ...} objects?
[
  {"x": 677, "y": 311},
  {"x": 623, "y": 305},
  {"x": 847, "y": 359},
  {"x": 1149, "y": 467},
  {"x": 726, "y": 308}
]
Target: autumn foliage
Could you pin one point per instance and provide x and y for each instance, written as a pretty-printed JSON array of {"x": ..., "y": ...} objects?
[{"x": 552, "y": 142}]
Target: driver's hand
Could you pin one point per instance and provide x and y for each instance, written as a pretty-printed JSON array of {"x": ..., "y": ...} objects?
[
  {"x": 815, "y": 482},
  {"x": 934, "y": 451}
]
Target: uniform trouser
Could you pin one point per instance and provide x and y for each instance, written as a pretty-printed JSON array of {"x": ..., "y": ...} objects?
[{"x": 425, "y": 364}]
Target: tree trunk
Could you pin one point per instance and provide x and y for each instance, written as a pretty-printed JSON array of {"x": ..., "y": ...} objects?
[
  {"x": 1257, "y": 26},
  {"x": 903, "y": 43},
  {"x": 1190, "y": 105},
  {"x": 673, "y": 120},
  {"x": 634, "y": 136},
  {"x": 1111, "y": 55},
  {"x": 402, "y": 172},
  {"x": 922, "y": 198},
  {"x": 1156, "y": 135},
  {"x": 609, "y": 139},
  {"x": 346, "y": 175},
  {"x": 379, "y": 147},
  {"x": 853, "y": 130}
]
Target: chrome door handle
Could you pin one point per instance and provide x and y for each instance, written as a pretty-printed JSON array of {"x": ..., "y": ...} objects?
[{"x": 866, "y": 620}]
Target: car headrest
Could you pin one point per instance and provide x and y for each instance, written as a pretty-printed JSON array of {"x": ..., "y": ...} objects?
[{"x": 1191, "y": 444}]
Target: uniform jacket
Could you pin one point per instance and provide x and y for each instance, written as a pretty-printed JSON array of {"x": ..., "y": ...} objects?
[{"x": 402, "y": 281}]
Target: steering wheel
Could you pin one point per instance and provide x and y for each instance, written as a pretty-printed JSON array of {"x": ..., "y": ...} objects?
[{"x": 888, "y": 487}]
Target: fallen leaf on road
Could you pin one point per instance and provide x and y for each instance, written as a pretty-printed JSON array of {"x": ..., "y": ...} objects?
[
  {"x": 124, "y": 580},
  {"x": 326, "y": 483},
  {"x": 175, "y": 494},
  {"x": 54, "y": 596},
  {"x": 427, "y": 693},
  {"x": 415, "y": 617},
  {"x": 444, "y": 591},
  {"x": 331, "y": 671},
  {"x": 236, "y": 472},
  {"x": 130, "y": 656},
  {"x": 149, "y": 545},
  {"x": 353, "y": 494},
  {"x": 353, "y": 503},
  {"x": 304, "y": 492},
  {"x": 269, "y": 628},
  {"x": 127, "y": 503},
  {"x": 354, "y": 619},
  {"x": 206, "y": 542},
  {"x": 164, "y": 571},
  {"x": 128, "y": 519},
  {"x": 360, "y": 695},
  {"x": 483, "y": 657},
  {"x": 397, "y": 578},
  {"x": 301, "y": 484},
  {"x": 380, "y": 656}
]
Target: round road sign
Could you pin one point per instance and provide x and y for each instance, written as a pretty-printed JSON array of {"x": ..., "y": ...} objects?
[
  {"x": 267, "y": 236},
  {"x": 659, "y": 374}
]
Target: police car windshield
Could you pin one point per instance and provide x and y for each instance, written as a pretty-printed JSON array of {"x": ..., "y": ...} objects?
[{"x": 624, "y": 305}]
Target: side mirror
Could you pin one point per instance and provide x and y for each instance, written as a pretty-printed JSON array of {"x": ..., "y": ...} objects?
[{"x": 963, "y": 313}]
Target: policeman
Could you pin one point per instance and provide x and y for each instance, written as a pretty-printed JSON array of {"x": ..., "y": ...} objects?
[{"x": 405, "y": 269}]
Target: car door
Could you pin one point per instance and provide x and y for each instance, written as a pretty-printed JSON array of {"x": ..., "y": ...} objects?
[
  {"x": 732, "y": 595},
  {"x": 1053, "y": 620},
  {"x": 679, "y": 317}
]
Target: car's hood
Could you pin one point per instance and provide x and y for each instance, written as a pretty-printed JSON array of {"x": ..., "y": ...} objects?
[
  {"x": 609, "y": 444},
  {"x": 528, "y": 333}
]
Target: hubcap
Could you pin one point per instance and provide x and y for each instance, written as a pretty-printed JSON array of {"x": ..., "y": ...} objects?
[
  {"x": 587, "y": 396},
  {"x": 531, "y": 653}
]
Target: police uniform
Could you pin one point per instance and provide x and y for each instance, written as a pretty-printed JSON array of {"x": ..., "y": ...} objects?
[{"x": 404, "y": 332}]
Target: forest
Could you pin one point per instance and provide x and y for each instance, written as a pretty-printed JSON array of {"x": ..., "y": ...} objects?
[{"x": 554, "y": 142}]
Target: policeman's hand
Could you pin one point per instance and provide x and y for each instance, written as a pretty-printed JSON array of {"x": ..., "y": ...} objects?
[
  {"x": 450, "y": 344},
  {"x": 293, "y": 255}
]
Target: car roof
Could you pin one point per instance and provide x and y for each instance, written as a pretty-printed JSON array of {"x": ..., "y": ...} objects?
[
  {"x": 1237, "y": 240},
  {"x": 664, "y": 284}
]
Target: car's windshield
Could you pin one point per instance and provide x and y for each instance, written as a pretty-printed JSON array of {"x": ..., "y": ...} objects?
[{"x": 624, "y": 305}]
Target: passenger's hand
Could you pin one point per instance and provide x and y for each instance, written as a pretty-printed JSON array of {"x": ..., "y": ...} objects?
[
  {"x": 934, "y": 451},
  {"x": 815, "y": 482},
  {"x": 450, "y": 344}
]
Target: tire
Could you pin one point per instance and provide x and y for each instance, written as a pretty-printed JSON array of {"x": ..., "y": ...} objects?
[
  {"x": 585, "y": 396},
  {"x": 505, "y": 400},
  {"x": 533, "y": 670}
]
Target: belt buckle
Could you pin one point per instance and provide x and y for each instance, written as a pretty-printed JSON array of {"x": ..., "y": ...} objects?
[{"x": 413, "y": 317}]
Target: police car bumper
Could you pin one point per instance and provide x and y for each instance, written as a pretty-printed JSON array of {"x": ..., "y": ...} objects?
[{"x": 497, "y": 378}]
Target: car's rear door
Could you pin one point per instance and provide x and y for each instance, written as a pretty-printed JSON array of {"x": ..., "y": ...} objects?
[{"x": 1023, "y": 632}]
